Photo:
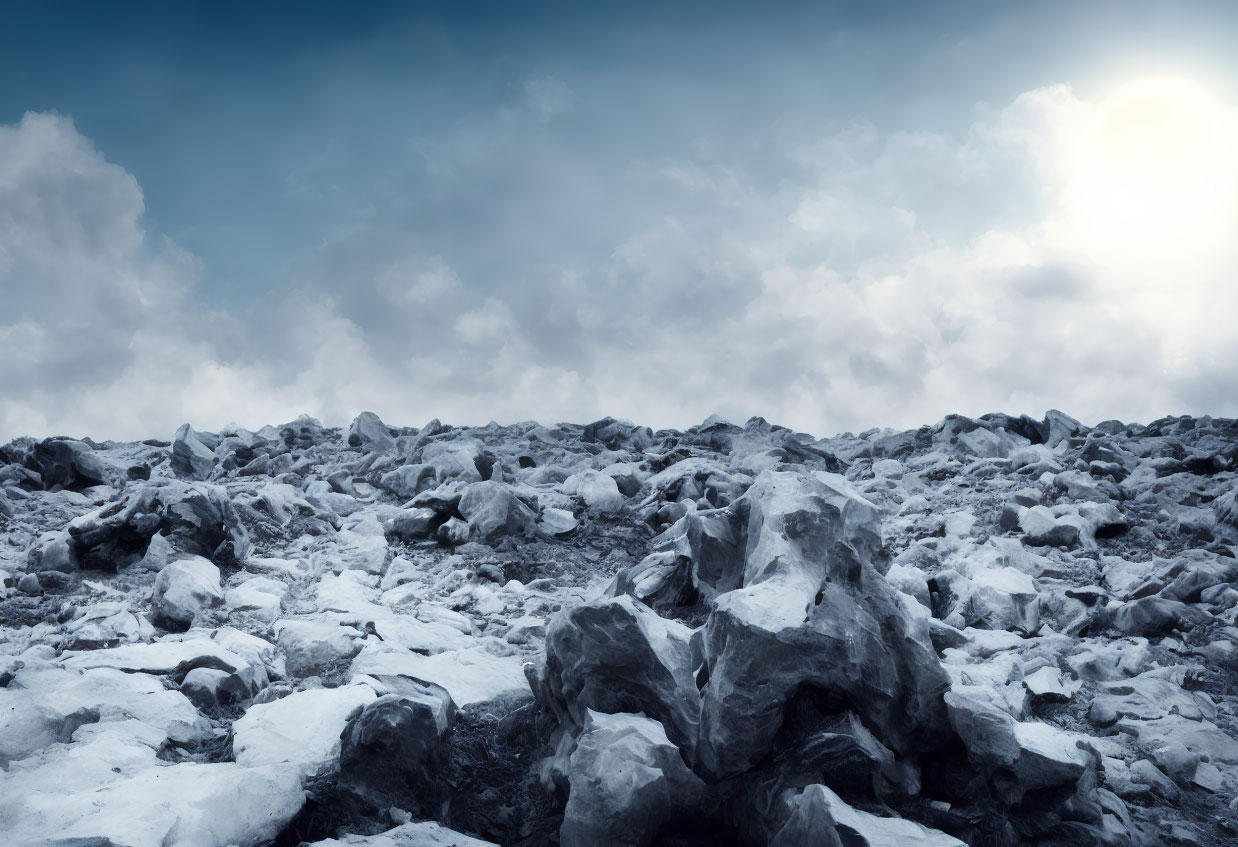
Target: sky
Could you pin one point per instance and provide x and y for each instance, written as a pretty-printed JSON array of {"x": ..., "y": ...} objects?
[{"x": 834, "y": 215}]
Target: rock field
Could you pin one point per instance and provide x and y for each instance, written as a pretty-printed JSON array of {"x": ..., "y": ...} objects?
[{"x": 994, "y": 631}]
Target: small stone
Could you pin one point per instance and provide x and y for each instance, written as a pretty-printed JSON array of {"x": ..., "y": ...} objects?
[{"x": 29, "y": 584}]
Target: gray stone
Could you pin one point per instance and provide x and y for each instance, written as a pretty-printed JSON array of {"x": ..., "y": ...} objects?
[
  {"x": 393, "y": 752},
  {"x": 369, "y": 432},
  {"x": 185, "y": 590},
  {"x": 813, "y": 611},
  {"x": 492, "y": 510},
  {"x": 618, "y": 656},
  {"x": 627, "y": 780},
  {"x": 191, "y": 459}
]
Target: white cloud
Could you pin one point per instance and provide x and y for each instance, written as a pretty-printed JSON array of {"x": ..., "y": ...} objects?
[{"x": 898, "y": 277}]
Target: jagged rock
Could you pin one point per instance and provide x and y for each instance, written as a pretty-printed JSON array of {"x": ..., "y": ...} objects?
[
  {"x": 491, "y": 510},
  {"x": 700, "y": 555},
  {"x": 627, "y": 781},
  {"x": 409, "y": 524},
  {"x": 1046, "y": 685},
  {"x": 1042, "y": 529},
  {"x": 184, "y": 591},
  {"x": 1019, "y": 756},
  {"x": 617, "y": 655},
  {"x": 618, "y": 435},
  {"x": 1151, "y": 616},
  {"x": 817, "y": 817},
  {"x": 194, "y": 518},
  {"x": 597, "y": 490},
  {"x": 191, "y": 458},
  {"x": 412, "y": 834},
  {"x": 313, "y": 648},
  {"x": 368, "y": 431},
  {"x": 1003, "y": 598},
  {"x": 68, "y": 463},
  {"x": 557, "y": 521},
  {"x": 409, "y": 480},
  {"x": 213, "y": 690},
  {"x": 393, "y": 751},
  {"x": 301, "y": 730},
  {"x": 813, "y": 612}
]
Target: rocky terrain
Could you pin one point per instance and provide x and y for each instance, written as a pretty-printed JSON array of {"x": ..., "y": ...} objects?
[{"x": 993, "y": 631}]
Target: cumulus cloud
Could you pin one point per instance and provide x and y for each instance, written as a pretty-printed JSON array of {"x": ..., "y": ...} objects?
[{"x": 885, "y": 279}]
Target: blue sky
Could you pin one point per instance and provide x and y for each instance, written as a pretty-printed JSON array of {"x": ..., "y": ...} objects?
[{"x": 657, "y": 211}]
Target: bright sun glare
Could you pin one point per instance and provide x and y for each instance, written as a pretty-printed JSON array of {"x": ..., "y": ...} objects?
[{"x": 1156, "y": 166}]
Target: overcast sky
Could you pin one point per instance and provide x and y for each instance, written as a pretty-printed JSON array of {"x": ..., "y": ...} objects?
[{"x": 836, "y": 216}]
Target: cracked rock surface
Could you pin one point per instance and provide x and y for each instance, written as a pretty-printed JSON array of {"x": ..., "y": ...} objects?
[{"x": 993, "y": 631}]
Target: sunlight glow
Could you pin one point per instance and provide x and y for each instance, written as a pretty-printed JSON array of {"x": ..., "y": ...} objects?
[{"x": 1154, "y": 171}]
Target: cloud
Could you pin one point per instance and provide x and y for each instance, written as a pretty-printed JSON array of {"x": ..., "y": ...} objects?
[{"x": 882, "y": 279}]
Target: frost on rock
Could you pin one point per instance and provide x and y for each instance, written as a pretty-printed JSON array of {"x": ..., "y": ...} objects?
[{"x": 988, "y": 631}]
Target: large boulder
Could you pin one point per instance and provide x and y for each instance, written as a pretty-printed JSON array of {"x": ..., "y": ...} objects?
[
  {"x": 316, "y": 648},
  {"x": 698, "y": 557},
  {"x": 393, "y": 752},
  {"x": 193, "y": 518},
  {"x": 817, "y": 817},
  {"x": 492, "y": 510},
  {"x": 618, "y": 435},
  {"x": 627, "y": 781},
  {"x": 185, "y": 590},
  {"x": 301, "y": 730},
  {"x": 1017, "y": 756},
  {"x": 616, "y": 655},
  {"x": 69, "y": 463},
  {"x": 368, "y": 431},
  {"x": 814, "y": 614},
  {"x": 191, "y": 459}
]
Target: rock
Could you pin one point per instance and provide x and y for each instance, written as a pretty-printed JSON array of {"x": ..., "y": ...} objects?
[
  {"x": 1019, "y": 756},
  {"x": 29, "y": 584},
  {"x": 193, "y": 518},
  {"x": 53, "y": 551},
  {"x": 699, "y": 556},
  {"x": 813, "y": 614},
  {"x": 260, "y": 597},
  {"x": 1151, "y": 616},
  {"x": 214, "y": 691},
  {"x": 1003, "y": 598},
  {"x": 492, "y": 510},
  {"x": 615, "y": 656},
  {"x": 598, "y": 491},
  {"x": 618, "y": 435},
  {"x": 368, "y": 431},
  {"x": 191, "y": 459},
  {"x": 184, "y": 591},
  {"x": 1042, "y": 529},
  {"x": 302, "y": 730},
  {"x": 150, "y": 805},
  {"x": 1146, "y": 773},
  {"x": 413, "y": 834},
  {"x": 1045, "y": 685},
  {"x": 817, "y": 817},
  {"x": 393, "y": 752},
  {"x": 313, "y": 648},
  {"x": 627, "y": 781},
  {"x": 470, "y": 674},
  {"x": 409, "y": 480},
  {"x": 557, "y": 521},
  {"x": 453, "y": 460},
  {"x": 412, "y": 524},
  {"x": 68, "y": 463}
]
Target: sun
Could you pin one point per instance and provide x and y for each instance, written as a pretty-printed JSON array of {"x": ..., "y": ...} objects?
[{"x": 1154, "y": 170}]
